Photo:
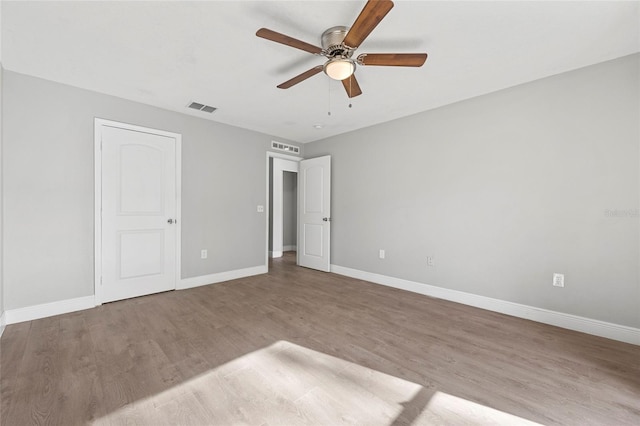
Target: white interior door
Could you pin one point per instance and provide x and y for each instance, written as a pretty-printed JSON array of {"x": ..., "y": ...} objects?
[
  {"x": 139, "y": 207},
  {"x": 314, "y": 210}
]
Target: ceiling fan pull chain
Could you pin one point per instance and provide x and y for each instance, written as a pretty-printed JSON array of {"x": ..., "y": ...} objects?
[
  {"x": 329, "y": 97},
  {"x": 350, "y": 92}
]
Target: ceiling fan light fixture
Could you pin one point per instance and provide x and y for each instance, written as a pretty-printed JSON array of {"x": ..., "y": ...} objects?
[{"x": 339, "y": 68}]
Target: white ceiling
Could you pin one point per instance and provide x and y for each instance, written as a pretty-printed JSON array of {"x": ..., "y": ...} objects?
[{"x": 170, "y": 53}]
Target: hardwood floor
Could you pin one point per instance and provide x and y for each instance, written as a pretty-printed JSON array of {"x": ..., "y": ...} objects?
[{"x": 298, "y": 346}]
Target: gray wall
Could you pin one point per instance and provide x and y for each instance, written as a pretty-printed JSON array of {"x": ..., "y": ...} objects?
[
  {"x": 49, "y": 189},
  {"x": 289, "y": 208},
  {"x": 503, "y": 190}
]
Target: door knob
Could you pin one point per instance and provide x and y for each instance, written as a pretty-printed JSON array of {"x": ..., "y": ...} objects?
[
  {"x": 170, "y": 221},
  {"x": 326, "y": 219}
]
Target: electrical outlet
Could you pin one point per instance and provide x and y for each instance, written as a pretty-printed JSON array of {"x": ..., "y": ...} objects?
[
  {"x": 203, "y": 254},
  {"x": 381, "y": 254},
  {"x": 430, "y": 261},
  {"x": 558, "y": 280},
  {"x": 260, "y": 209}
]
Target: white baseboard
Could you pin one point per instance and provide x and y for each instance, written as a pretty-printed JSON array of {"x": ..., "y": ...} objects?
[
  {"x": 49, "y": 309},
  {"x": 279, "y": 253},
  {"x": 29, "y": 313},
  {"x": 572, "y": 322},
  {"x": 221, "y": 276},
  {"x": 3, "y": 323}
]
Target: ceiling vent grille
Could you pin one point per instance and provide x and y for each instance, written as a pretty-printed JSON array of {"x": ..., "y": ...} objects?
[
  {"x": 284, "y": 147},
  {"x": 202, "y": 107}
]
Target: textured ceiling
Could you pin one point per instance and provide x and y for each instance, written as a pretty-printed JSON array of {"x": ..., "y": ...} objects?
[{"x": 168, "y": 54}]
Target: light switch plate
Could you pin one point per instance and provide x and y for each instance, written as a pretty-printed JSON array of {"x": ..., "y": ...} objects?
[{"x": 558, "y": 280}]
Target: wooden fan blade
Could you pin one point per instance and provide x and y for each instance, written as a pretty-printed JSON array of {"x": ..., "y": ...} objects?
[
  {"x": 393, "y": 59},
  {"x": 351, "y": 86},
  {"x": 297, "y": 79},
  {"x": 369, "y": 18},
  {"x": 288, "y": 41}
]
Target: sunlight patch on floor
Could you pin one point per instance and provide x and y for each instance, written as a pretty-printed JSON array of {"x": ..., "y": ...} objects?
[
  {"x": 289, "y": 384},
  {"x": 453, "y": 410}
]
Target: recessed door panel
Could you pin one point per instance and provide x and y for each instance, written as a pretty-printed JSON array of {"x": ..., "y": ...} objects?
[
  {"x": 313, "y": 189},
  {"x": 313, "y": 234},
  {"x": 141, "y": 189},
  {"x": 141, "y": 253}
]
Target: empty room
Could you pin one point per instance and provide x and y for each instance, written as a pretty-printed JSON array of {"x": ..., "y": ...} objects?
[{"x": 319, "y": 213}]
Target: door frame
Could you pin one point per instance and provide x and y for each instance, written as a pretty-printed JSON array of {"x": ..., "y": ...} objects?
[
  {"x": 97, "y": 263},
  {"x": 271, "y": 154}
]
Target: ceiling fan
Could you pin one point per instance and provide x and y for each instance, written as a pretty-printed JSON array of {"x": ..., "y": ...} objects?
[{"x": 340, "y": 43}]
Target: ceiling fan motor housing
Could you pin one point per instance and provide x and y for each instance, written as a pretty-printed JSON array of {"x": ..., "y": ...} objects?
[{"x": 332, "y": 42}]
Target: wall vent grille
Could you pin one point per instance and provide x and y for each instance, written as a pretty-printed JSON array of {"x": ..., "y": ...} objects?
[
  {"x": 284, "y": 147},
  {"x": 202, "y": 107}
]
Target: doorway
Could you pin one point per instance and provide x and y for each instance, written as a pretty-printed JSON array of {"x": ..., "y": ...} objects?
[
  {"x": 289, "y": 211},
  {"x": 312, "y": 209},
  {"x": 283, "y": 206}
]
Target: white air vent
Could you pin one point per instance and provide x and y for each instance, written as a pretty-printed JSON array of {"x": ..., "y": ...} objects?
[
  {"x": 284, "y": 147},
  {"x": 202, "y": 107}
]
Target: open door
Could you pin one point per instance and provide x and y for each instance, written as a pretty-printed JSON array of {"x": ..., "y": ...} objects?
[{"x": 314, "y": 210}]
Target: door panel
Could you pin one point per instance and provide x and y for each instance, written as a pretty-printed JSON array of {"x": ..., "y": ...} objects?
[
  {"x": 141, "y": 180},
  {"x": 313, "y": 189},
  {"x": 141, "y": 253},
  {"x": 138, "y": 199},
  {"x": 313, "y": 234},
  {"x": 314, "y": 198}
]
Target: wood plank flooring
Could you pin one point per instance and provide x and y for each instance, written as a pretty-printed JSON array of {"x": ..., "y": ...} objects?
[{"x": 300, "y": 347}]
